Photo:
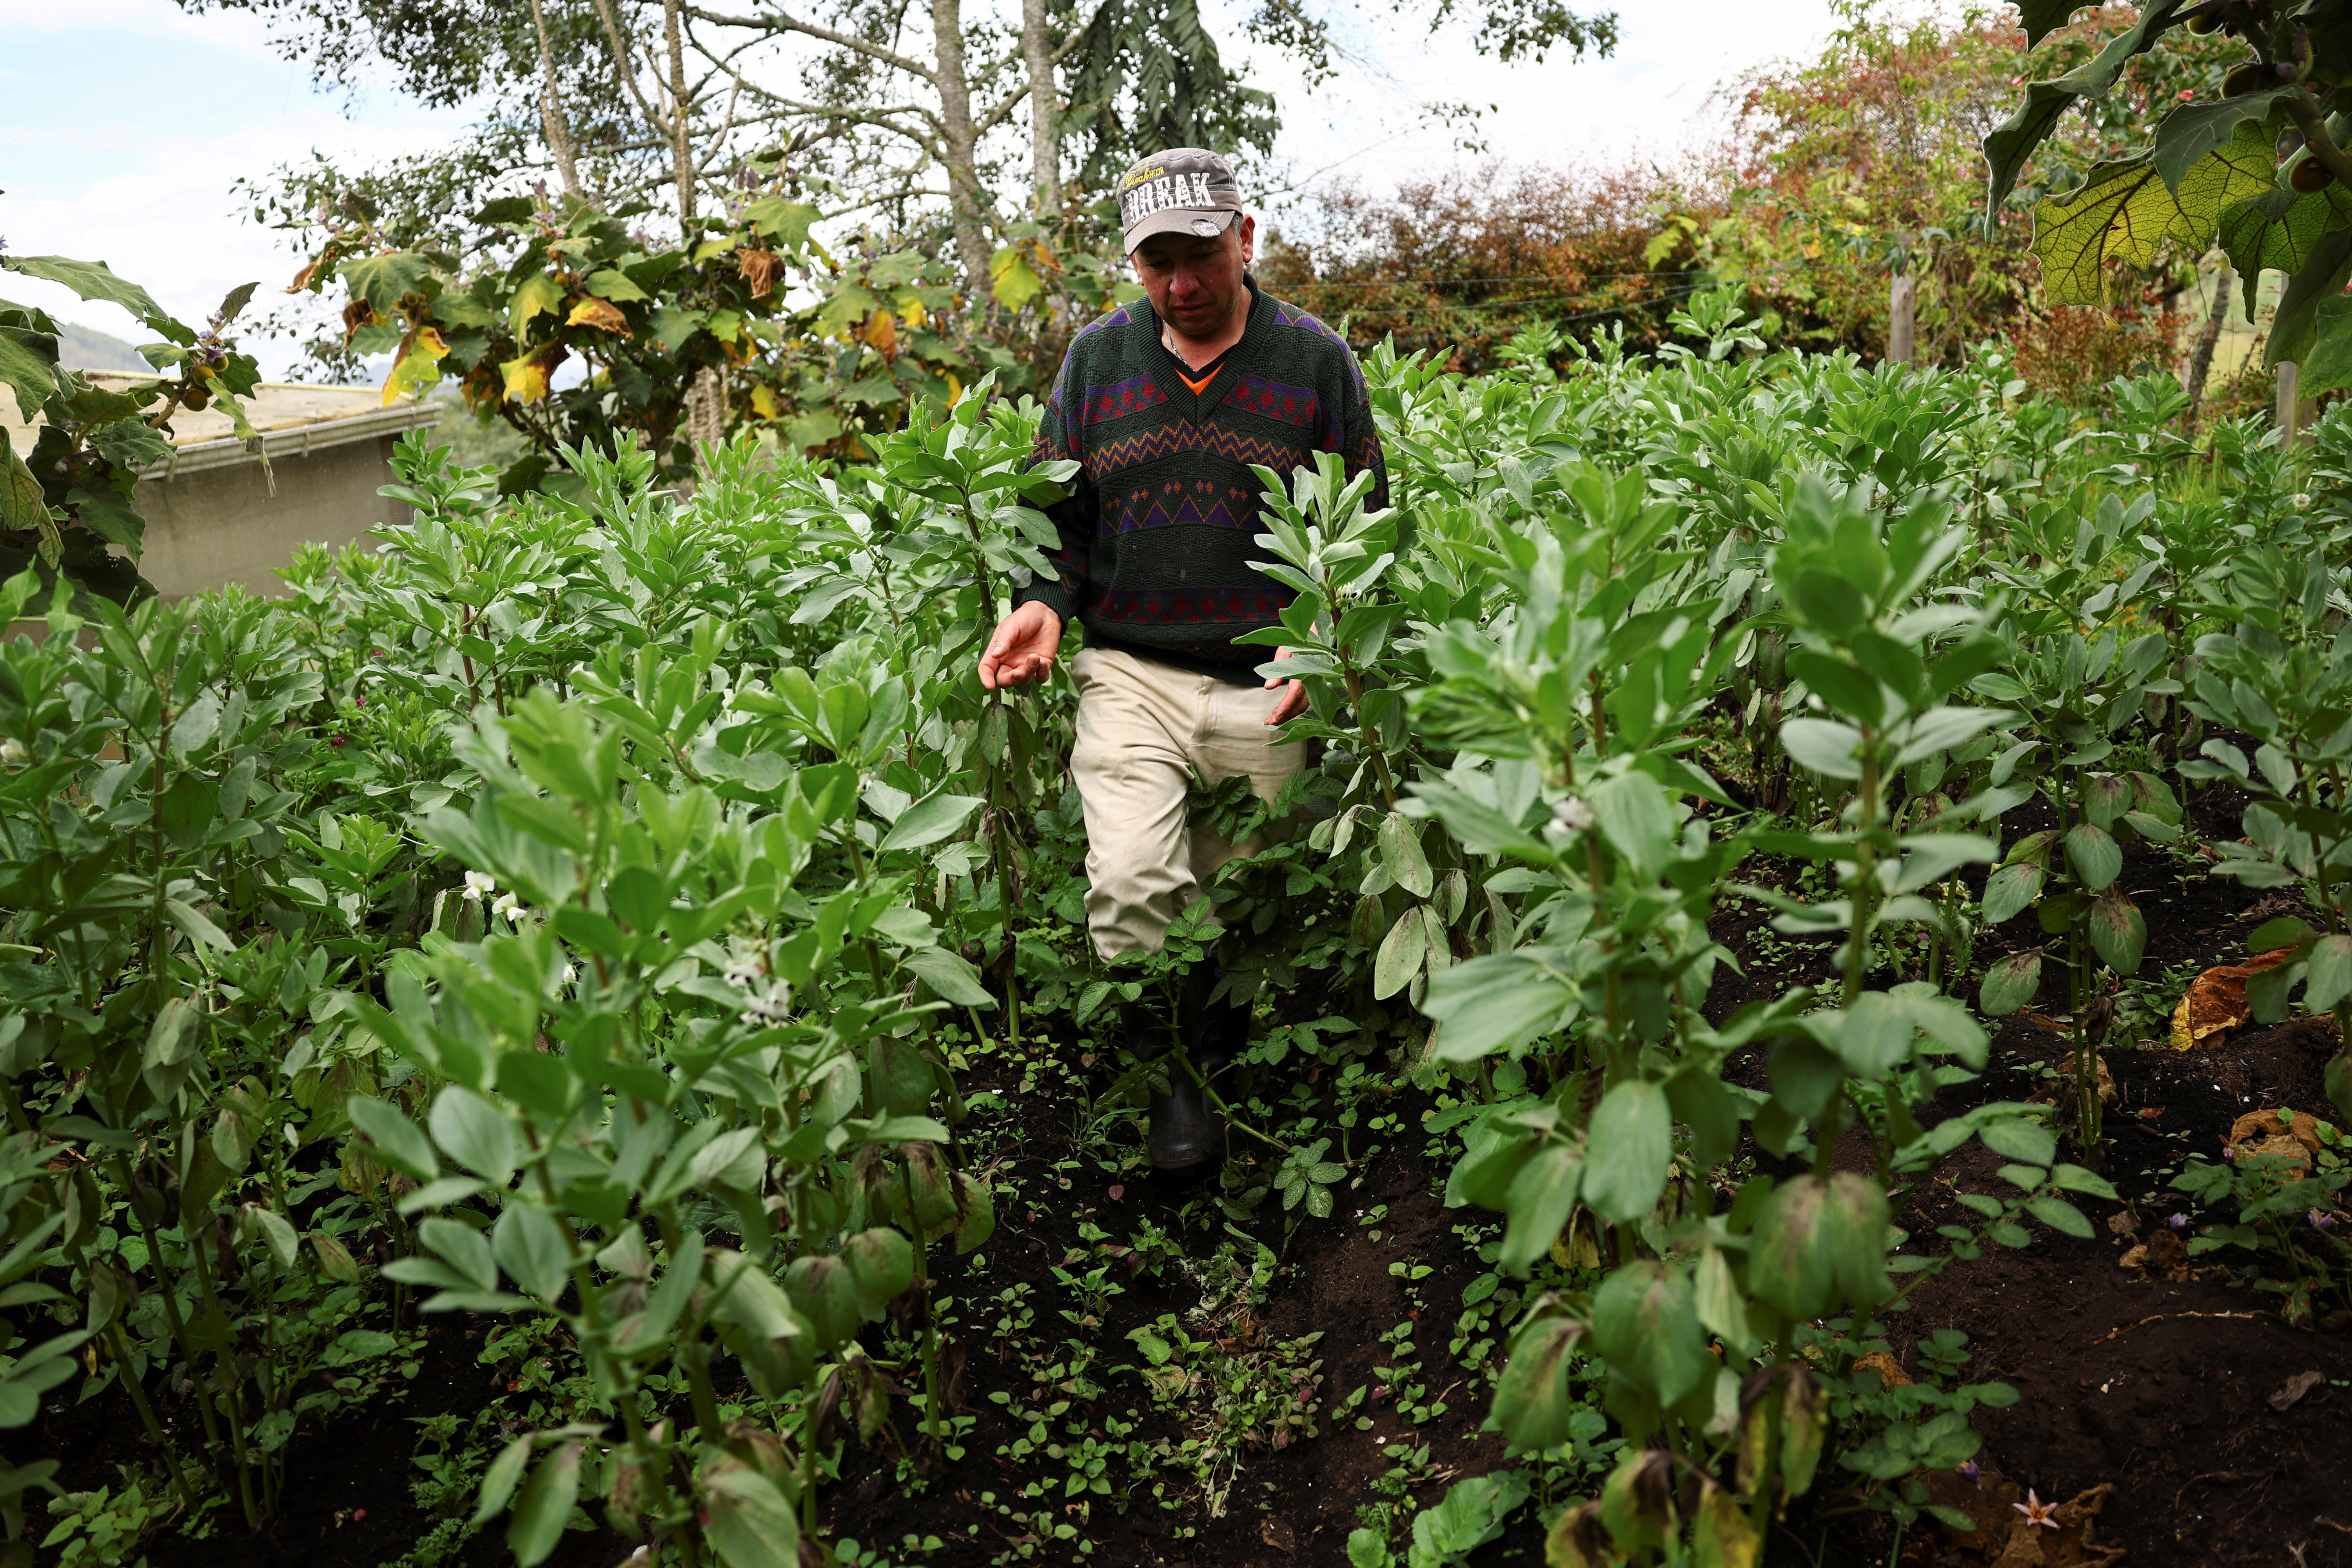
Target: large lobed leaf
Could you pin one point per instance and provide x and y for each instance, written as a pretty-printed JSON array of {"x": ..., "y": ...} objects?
[
  {"x": 2278, "y": 230},
  {"x": 2126, "y": 211},
  {"x": 2012, "y": 141}
]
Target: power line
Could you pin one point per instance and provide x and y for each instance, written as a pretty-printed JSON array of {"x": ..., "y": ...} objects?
[{"x": 1526, "y": 278}]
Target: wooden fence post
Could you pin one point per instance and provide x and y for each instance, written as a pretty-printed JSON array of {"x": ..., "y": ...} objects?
[{"x": 1902, "y": 315}]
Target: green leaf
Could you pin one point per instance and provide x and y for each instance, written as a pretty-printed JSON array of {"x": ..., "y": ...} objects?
[
  {"x": 285, "y": 1246},
  {"x": 28, "y": 365},
  {"x": 106, "y": 513},
  {"x": 2319, "y": 280},
  {"x": 1826, "y": 747},
  {"x": 2009, "y": 889},
  {"x": 1631, "y": 1143},
  {"x": 1722, "y": 1308},
  {"x": 1637, "y": 819},
  {"x": 2059, "y": 1215},
  {"x": 1534, "y": 1405},
  {"x": 1539, "y": 1199},
  {"x": 2012, "y": 143},
  {"x": 2329, "y": 974},
  {"x": 1402, "y": 954},
  {"x": 2191, "y": 132},
  {"x": 948, "y": 974},
  {"x": 616, "y": 287},
  {"x": 1400, "y": 847},
  {"x": 751, "y": 1522},
  {"x": 882, "y": 1264},
  {"x": 2042, "y": 17},
  {"x": 2074, "y": 1179},
  {"x": 2126, "y": 211},
  {"x": 21, "y": 507},
  {"x": 398, "y": 1142},
  {"x": 197, "y": 928},
  {"x": 1645, "y": 1327},
  {"x": 786, "y": 223},
  {"x": 528, "y": 1244},
  {"x": 545, "y": 1506},
  {"x": 384, "y": 280},
  {"x": 1471, "y": 1514},
  {"x": 2327, "y": 364},
  {"x": 96, "y": 280},
  {"x": 499, "y": 1480},
  {"x": 1485, "y": 1005},
  {"x": 2010, "y": 983},
  {"x": 928, "y": 820},
  {"x": 2020, "y": 1138},
  {"x": 2097, "y": 859},
  {"x": 2275, "y": 231},
  {"x": 1819, "y": 1244},
  {"x": 2117, "y": 932},
  {"x": 474, "y": 1133}
]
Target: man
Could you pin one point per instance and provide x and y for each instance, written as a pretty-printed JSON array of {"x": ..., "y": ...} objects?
[{"x": 1165, "y": 404}]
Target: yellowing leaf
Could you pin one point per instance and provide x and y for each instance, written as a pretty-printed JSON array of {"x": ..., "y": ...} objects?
[
  {"x": 2123, "y": 212},
  {"x": 526, "y": 378},
  {"x": 418, "y": 366},
  {"x": 601, "y": 314},
  {"x": 539, "y": 296},
  {"x": 881, "y": 335},
  {"x": 1011, "y": 279},
  {"x": 763, "y": 402}
]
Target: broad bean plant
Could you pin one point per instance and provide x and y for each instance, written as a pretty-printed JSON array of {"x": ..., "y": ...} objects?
[{"x": 572, "y": 906}]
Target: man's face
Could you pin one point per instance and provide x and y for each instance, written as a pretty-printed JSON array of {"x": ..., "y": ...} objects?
[{"x": 1194, "y": 283}]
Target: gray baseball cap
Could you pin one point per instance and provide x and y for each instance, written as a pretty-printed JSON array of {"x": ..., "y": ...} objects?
[{"x": 1184, "y": 190}]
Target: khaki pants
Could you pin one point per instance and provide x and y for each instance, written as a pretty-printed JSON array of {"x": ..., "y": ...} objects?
[{"x": 1145, "y": 729}]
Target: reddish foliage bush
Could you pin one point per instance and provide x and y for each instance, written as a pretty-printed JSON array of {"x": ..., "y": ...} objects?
[
  {"x": 1459, "y": 262},
  {"x": 2069, "y": 353}
]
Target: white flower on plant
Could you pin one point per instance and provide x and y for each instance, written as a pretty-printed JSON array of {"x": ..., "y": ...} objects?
[
  {"x": 570, "y": 972},
  {"x": 478, "y": 884},
  {"x": 743, "y": 971},
  {"x": 508, "y": 906},
  {"x": 1574, "y": 815},
  {"x": 772, "y": 1008},
  {"x": 13, "y": 752}
]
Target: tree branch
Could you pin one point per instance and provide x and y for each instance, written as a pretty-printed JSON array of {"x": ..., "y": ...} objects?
[{"x": 780, "y": 23}]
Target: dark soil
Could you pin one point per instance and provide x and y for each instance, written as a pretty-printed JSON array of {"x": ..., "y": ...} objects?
[
  {"x": 2121, "y": 1382},
  {"x": 347, "y": 1498}
]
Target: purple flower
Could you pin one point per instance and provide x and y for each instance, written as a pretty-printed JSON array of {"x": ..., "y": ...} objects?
[
  {"x": 2229, "y": 1150},
  {"x": 1971, "y": 1469},
  {"x": 2178, "y": 1222},
  {"x": 2322, "y": 1221}
]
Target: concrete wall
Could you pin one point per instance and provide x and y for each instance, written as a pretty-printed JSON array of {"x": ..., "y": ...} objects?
[{"x": 220, "y": 524}]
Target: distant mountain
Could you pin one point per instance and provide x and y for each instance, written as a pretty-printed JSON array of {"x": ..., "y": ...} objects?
[{"x": 80, "y": 348}]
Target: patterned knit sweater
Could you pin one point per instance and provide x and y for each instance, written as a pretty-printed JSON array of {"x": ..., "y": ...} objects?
[{"x": 1158, "y": 532}]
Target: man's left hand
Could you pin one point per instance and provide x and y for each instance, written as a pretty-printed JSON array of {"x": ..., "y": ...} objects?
[{"x": 1293, "y": 701}]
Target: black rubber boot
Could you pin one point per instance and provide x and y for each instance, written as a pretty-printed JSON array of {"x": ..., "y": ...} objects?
[{"x": 1185, "y": 1130}]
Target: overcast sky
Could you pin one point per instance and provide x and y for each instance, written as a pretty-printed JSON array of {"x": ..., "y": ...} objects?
[{"x": 125, "y": 123}]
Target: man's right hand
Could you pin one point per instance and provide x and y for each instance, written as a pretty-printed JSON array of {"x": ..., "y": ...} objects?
[{"x": 1023, "y": 649}]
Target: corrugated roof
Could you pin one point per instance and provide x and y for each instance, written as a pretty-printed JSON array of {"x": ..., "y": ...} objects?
[{"x": 291, "y": 417}]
